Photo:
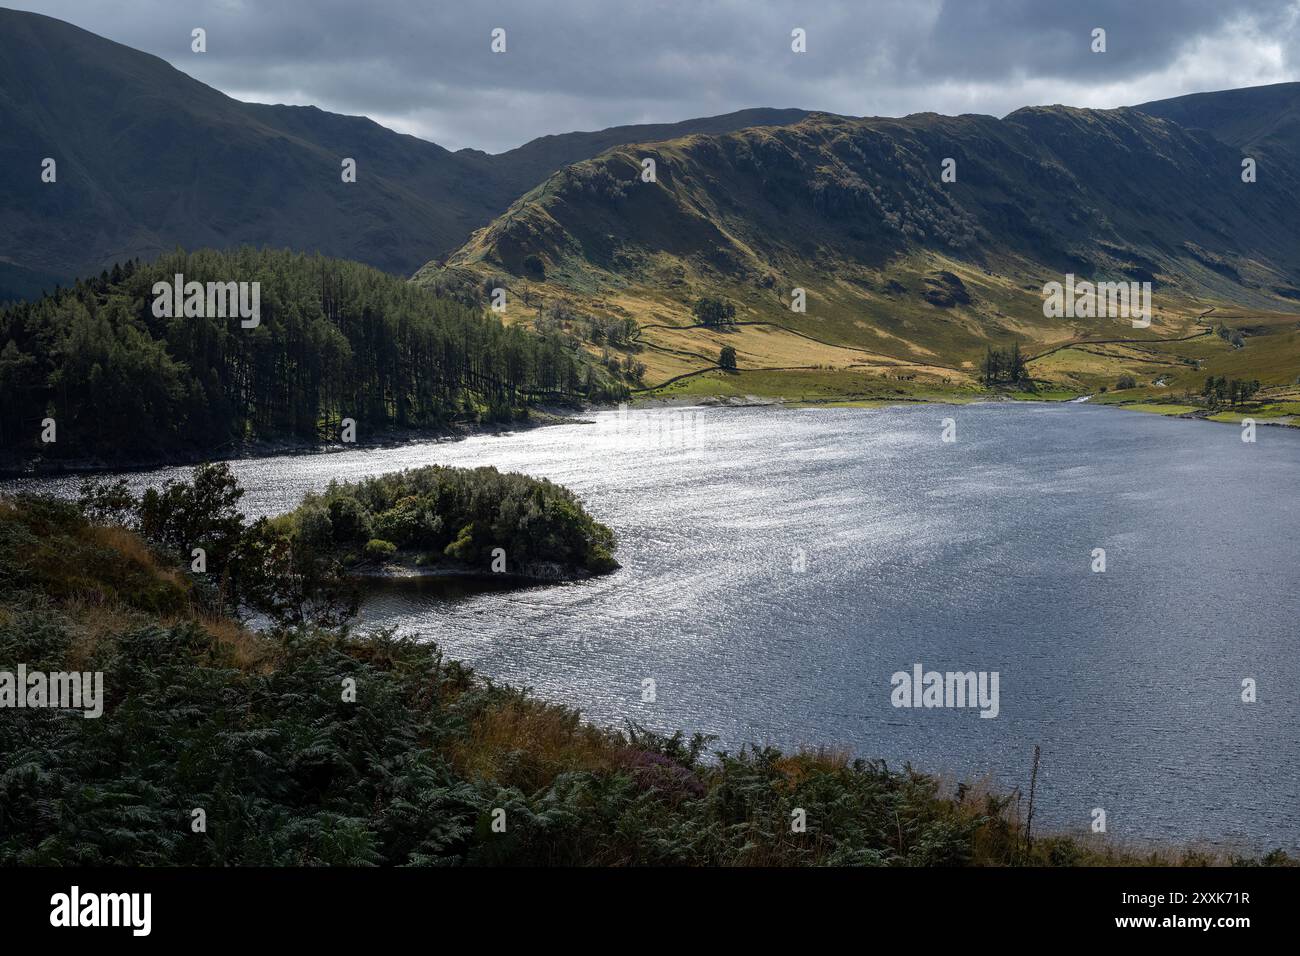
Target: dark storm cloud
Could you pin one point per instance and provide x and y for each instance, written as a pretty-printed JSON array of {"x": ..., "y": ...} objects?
[
  {"x": 425, "y": 67},
  {"x": 990, "y": 39}
]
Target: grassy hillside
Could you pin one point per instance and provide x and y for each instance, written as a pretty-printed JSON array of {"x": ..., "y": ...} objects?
[
  {"x": 907, "y": 278},
  {"x": 524, "y": 167},
  {"x": 253, "y": 729}
]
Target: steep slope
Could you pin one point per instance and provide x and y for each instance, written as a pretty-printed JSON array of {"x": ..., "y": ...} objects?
[
  {"x": 1261, "y": 119},
  {"x": 893, "y": 259},
  {"x": 525, "y": 167},
  {"x": 149, "y": 158}
]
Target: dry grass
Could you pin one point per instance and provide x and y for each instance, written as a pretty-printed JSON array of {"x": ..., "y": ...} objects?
[
  {"x": 126, "y": 543},
  {"x": 245, "y": 649},
  {"x": 528, "y": 742},
  {"x": 96, "y": 619},
  {"x": 806, "y": 762}
]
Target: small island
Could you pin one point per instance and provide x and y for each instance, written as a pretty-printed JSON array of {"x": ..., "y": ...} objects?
[
  {"x": 310, "y": 566},
  {"x": 441, "y": 521}
]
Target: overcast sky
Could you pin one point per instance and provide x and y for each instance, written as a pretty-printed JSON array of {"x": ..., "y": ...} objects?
[{"x": 425, "y": 66}]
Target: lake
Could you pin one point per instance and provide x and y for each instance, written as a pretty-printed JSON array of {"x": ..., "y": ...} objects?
[{"x": 779, "y": 565}]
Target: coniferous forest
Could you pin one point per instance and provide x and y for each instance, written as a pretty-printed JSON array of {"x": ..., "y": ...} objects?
[{"x": 335, "y": 340}]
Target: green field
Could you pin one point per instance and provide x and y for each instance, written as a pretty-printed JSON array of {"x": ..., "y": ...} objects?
[{"x": 839, "y": 386}]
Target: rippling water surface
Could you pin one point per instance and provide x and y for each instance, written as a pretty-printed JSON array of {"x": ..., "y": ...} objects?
[{"x": 967, "y": 556}]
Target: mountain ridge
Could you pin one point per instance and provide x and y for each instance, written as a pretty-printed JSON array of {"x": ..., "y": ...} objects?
[
  {"x": 892, "y": 259},
  {"x": 149, "y": 158},
  {"x": 901, "y": 269}
]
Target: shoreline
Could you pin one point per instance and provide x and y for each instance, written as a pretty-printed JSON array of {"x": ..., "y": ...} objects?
[
  {"x": 762, "y": 401},
  {"x": 1215, "y": 849},
  {"x": 393, "y": 572},
  {"x": 547, "y": 417},
  {"x": 276, "y": 447}
]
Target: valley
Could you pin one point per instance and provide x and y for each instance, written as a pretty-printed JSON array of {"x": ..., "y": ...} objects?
[
  {"x": 856, "y": 271},
  {"x": 913, "y": 245},
  {"x": 685, "y": 482}
]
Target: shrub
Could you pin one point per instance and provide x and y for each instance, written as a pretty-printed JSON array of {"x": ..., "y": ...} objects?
[
  {"x": 465, "y": 513},
  {"x": 350, "y": 520},
  {"x": 377, "y": 549},
  {"x": 315, "y": 526}
]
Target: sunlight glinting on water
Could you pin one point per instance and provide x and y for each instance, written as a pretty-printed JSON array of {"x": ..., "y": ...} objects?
[{"x": 779, "y": 565}]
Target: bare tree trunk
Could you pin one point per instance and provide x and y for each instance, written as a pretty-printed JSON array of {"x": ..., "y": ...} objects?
[{"x": 1029, "y": 823}]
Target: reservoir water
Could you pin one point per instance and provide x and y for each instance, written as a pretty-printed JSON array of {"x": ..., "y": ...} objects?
[{"x": 779, "y": 565}]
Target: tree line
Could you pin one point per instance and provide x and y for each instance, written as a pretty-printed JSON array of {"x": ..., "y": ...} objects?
[
  {"x": 336, "y": 339},
  {"x": 1220, "y": 390},
  {"x": 1003, "y": 366}
]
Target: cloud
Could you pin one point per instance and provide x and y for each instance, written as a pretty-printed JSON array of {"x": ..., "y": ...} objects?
[{"x": 426, "y": 68}]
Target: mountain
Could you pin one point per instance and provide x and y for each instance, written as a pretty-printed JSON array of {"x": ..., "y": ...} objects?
[
  {"x": 1260, "y": 119},
  {"x": 898, "y": 266},
  {"x": 907, "y": 278},
  {"x": 148, "y": 159},
  {"x": 529, "y": 164}
]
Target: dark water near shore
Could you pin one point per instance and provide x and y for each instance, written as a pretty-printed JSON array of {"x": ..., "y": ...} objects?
[{"x": 965, "y": 556}]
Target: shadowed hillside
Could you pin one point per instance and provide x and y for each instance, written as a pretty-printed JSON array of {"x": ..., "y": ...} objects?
[
  {"x": 1262, "y": 119},
  {"x": 149, "y": 159}
]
